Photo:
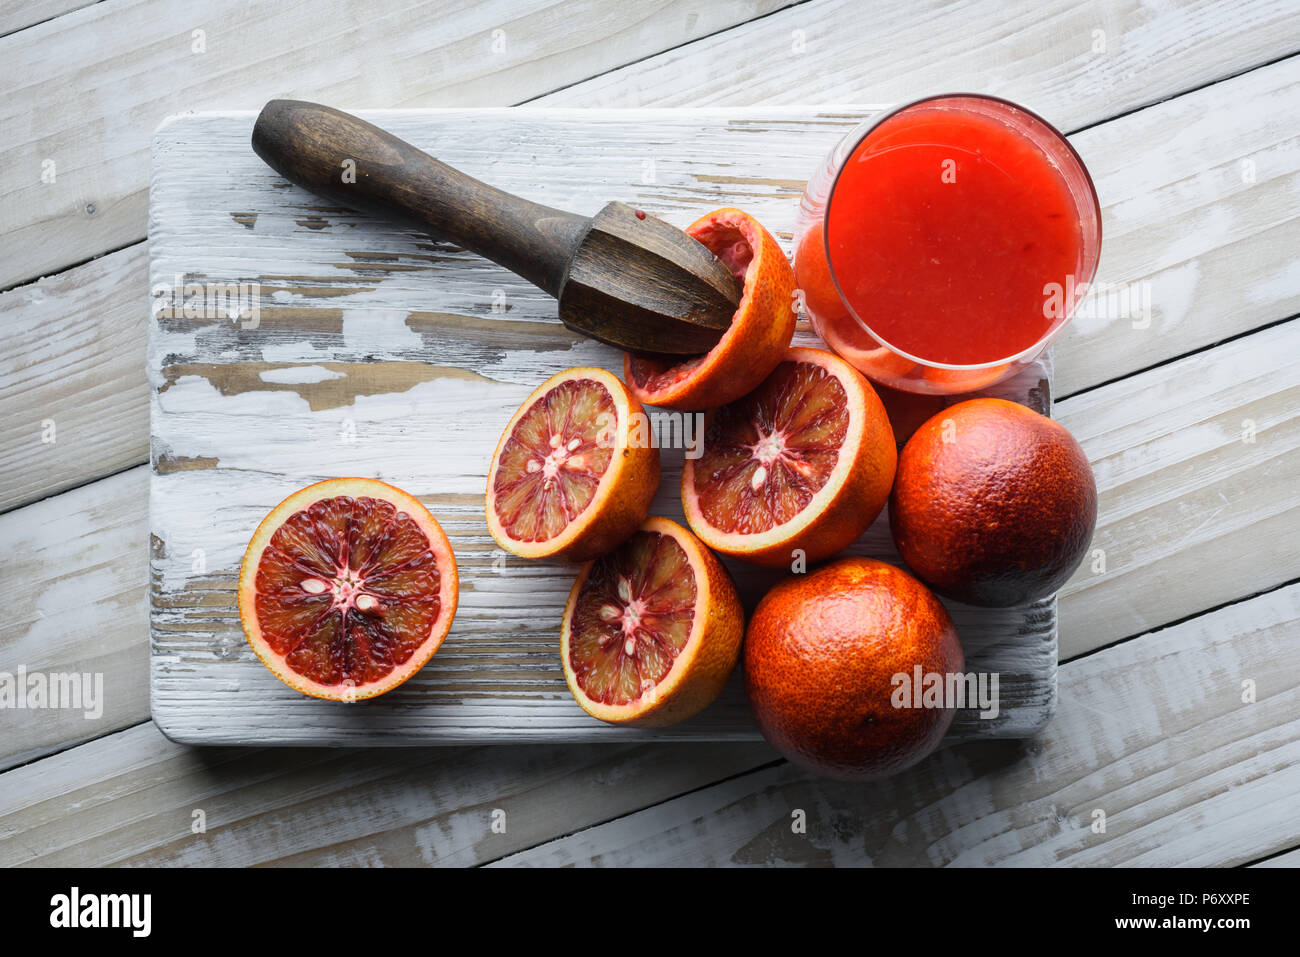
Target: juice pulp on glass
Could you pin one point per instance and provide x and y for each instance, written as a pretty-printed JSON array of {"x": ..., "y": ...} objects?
[{"x": 947, "y": 229}]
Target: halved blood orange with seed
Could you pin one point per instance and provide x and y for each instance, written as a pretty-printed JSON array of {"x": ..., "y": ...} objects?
[
  {"x": 652, "y": 630},
  {"x": 759, "y": 333},
  {"x": 575, "y": 470},
  {"x": 798, "y": 468},
  {"x": 347, "y": 589}
]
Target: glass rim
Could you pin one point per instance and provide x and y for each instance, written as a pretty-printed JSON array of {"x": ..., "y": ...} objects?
[{"x": 1052, "y": 332}]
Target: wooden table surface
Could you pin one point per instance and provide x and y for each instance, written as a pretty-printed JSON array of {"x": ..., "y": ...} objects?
[{"x": 1177, "y": 736}]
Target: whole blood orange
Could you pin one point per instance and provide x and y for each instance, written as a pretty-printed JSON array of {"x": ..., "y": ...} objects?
[
  {"x": 759, "y": 333},
  {"x": 347, "y": 588},
  {"x": 652, "y": 630},
  {"x": 802, "y": 464},
  {"x": 821, "y": 654},
  {"x": 994, "y": 504},
  {"x": 575, "y": 470}
]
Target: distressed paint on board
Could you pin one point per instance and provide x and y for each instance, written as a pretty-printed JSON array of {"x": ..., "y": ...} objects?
[{"x": 379, "y": 352}]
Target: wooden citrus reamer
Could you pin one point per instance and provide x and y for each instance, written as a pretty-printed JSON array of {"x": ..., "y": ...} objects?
[{"x": 620, "y": 276}]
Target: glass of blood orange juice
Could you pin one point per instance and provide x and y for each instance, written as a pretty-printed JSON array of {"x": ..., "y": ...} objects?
[{"x": 944, "y": 245}]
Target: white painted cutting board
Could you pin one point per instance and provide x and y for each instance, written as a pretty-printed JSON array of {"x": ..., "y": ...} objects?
[{"x": 381, "y": 353}]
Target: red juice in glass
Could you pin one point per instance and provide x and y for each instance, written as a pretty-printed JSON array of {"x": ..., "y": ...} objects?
[{"x": 946, "y": 245}]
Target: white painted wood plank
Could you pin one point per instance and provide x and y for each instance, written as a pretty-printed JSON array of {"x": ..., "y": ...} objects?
[
  {"x": 72, "y": 377},
  {"x": 75, "y": 569},
  {"x": 129, "y": 799},
  {"x": 1152, "y": 732},
  {"x": 1289, "y": 859},
  {"x": 242, "y": 416},
  {"x": 85, "y": 91},
  {"x": 1196, "y": 464},
  {"x": 1201, "y": 201},
  {"x": 1215, "y": 252},
  {"x": 18, "y": 15},
  {"x": 1076, "y": 63}
]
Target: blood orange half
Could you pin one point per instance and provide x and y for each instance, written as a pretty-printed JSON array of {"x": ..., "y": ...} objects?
[
  {"x": 347, "y": 589},
  {"x": 759, "y": 332},
  {"x": 652, "y": 630},
  {"x": 575, "y": 470},
  {"x": 803, "y": 464}
]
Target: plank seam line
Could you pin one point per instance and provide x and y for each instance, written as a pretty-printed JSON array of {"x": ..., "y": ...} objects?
[
  {"x": 65, "y": 13},
  {"x": 1269, "y": 857},
  {"x": 1191, "y": 89},
  {"x": 1178, "y": 358},
  {"x": 71, "y": 745},
  {"x": 651, "y": 56},
  {"x": 567, "y": 834},
  {"x": 77, "y": 265},
  {"x": 72, "y": 488},
  {"x": 1180, "y": 621}
]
